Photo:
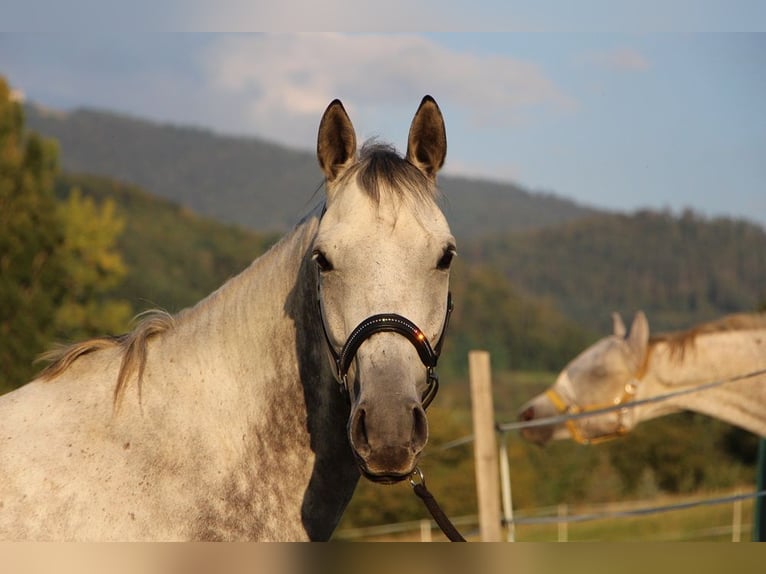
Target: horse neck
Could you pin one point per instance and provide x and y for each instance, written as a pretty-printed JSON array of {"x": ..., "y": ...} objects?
[
  {"x": 248, "y": 335},
  {"x": 710, "y": 357},
  {"x": 248, "y": 365}
]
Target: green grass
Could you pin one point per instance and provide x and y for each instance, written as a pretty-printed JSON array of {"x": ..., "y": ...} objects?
[
  {"x": 710, "y": 523},
  {"x": 713, "y": 523}
]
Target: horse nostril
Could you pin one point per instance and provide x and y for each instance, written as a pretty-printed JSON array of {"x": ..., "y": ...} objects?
[
  {"x": 419, "y": 429},
  {"x": 358, "y": 433},
  {"x": 527, "y": 414}
]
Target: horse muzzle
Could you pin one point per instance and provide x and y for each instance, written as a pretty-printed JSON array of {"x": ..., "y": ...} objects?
[
  {"x": 540, "y": 435},
  {"x": 387, "y": 439}
]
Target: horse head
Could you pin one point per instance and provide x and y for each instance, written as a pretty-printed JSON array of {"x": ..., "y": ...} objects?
[
  {"x": 604, "y": 375},
  {"x": 383, "y": 251}
]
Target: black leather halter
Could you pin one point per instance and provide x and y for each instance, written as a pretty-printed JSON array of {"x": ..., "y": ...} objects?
[{"x": 390, "y": 322}]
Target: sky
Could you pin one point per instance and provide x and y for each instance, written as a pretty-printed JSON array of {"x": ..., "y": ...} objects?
[{"x": 632, "y": 118}]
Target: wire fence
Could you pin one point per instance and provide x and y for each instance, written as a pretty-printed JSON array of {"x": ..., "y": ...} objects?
[
  {"x": 644, "y": 511},
  {"x": 553, "y": 516}
]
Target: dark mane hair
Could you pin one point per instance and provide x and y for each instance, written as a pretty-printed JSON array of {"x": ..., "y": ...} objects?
[{"x": 380, "y": 167}]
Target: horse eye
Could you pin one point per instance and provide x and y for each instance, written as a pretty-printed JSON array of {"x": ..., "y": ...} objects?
[
  {"x": 446, "y": 259},
  {"x": 321, "y": 260}
]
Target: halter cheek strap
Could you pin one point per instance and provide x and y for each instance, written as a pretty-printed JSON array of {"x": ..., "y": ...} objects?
[{"x": 390, "y": 322}]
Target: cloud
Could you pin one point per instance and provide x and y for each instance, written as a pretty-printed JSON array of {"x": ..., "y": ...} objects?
[
  {"x": 338, "y": 15},
  {"x": 280, "y": 84},
  {"x": 623, "y": 59}
]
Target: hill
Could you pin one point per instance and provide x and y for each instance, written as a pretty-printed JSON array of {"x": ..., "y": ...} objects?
[
  {"x": 680, "y": 270},
  {"x": 173, "y": 256},
  {"x": 577, "y": 262},
  {"x": 255, "y": 183}
]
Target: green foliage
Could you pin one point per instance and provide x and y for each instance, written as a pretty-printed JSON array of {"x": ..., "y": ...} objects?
[
  {"x": 519, "y": 330},
  {"x": 173, "y": 258},
  {"x": 57, "y": 261},
  {"x": 682, "y": 453},
  {"x": 679, "y": 270},
  {"x": 31, "y": 238},
  {"x": 94, "y": 269}
]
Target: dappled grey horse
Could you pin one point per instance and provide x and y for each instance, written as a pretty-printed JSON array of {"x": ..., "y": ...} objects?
[
  {"x": 251, "y": 415},
  {"x": 716, "y": 368}
]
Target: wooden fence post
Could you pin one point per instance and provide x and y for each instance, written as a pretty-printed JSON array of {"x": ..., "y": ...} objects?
[
  {"x": 759, "y": 504},
  {"x": 425, "y": 530},
  {"x": 485, "y": 446},
  {"x": 736, "y": 521},
  {"x": 563, "y": 525}
]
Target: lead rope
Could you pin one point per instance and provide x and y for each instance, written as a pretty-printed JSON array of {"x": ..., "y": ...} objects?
[{"x": 418, "y": 482}]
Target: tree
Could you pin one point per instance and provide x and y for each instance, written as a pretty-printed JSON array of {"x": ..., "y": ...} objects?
[
  {"x": 93, "y": 268},
  {"x": 57, "y": 260},
  {"x": 31, "y": 266}
]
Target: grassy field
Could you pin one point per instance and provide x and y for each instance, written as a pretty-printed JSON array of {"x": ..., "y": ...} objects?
[
  {"x": 725, "y": 522},
  {"x": 722, "y": 522}
]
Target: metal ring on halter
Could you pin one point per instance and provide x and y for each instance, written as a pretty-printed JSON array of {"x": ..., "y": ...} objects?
[{"x": 417, "y": 477}]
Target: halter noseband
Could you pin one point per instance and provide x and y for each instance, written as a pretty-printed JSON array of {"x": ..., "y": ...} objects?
[
  {"x": 394, "y": 323},
  {"x": 621, "y": 429}
]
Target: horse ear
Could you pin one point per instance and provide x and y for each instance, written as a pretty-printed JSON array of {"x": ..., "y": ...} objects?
[
  {"x": 427, "y": 141},
  {"x": 617, "y": 325},
  {"x": 336, "y": 142},
  {"x": 638, "y": 337}
]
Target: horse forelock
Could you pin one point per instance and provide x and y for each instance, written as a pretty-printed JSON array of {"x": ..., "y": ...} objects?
[
  {"x": 133, "y": 346},
  {"x": 380, "y": 169}
]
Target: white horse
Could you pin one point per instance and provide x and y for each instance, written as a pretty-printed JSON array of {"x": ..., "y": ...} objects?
[
  {"x": 250, "y": 415},
  {"x": 632, "y": 367}
]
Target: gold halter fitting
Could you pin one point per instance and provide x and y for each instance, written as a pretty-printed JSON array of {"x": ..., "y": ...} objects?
[{"x": 629, "y": 392}]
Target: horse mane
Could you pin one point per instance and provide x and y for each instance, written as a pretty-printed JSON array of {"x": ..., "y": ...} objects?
[
  {"x": 381, "y": 167},
  {"x": 133, "y": 346},
  {"x": 680, "y": 341}
]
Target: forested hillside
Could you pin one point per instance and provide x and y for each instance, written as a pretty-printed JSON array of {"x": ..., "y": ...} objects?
[
  {"x": 254, "y": 183},
  {"x": 680, "y": 270},
  {"x": 173, "y": 257},
  {"x": 58, "y": 261}
]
